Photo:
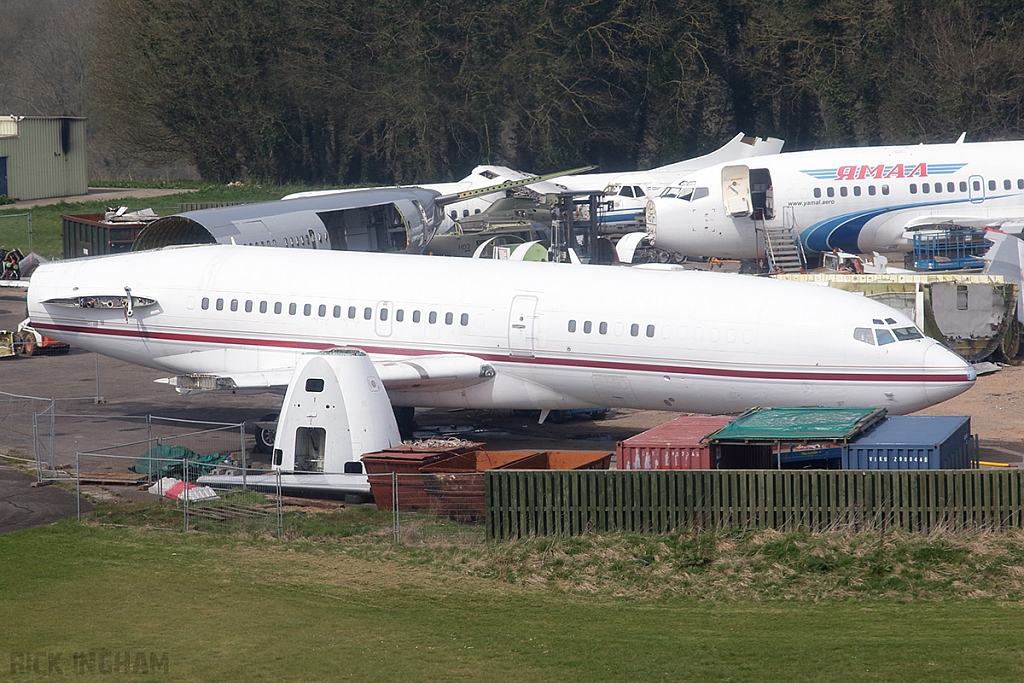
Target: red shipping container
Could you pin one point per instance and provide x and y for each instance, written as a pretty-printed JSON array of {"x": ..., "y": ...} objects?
[{"x": 675, "y": 445}]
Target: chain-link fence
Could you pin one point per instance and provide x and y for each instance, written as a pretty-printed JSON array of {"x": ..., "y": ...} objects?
[
  {"x": 164, "y": 478},
  {"x": 432, "y": 507}
]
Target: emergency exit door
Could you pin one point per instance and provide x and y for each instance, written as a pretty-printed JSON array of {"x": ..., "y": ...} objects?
[{"x": 520, "y": 326}]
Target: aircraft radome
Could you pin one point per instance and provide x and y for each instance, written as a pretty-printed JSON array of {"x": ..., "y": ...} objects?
[
  {"x": 858, "y": 200},
  {"x": 430, "y": 331}
]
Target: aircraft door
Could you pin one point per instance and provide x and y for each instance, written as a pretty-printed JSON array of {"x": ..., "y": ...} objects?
[
  {"x": 761, "y": 194},
  {"x": 976, "y": 189},
  {"x": 382, "y": 319},
  {"x": 736, "y": 190},
  {"x": 520, "y": 326}
]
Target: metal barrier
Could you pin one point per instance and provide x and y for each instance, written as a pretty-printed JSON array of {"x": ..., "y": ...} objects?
[
  {"x": 144, "y": 431},
  {"x": 537, "y": 503},
  {"x": 199, "y": 507},
  {"x": 433, "y": 507}
]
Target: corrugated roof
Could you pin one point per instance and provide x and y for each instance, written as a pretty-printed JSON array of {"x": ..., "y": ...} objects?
[
  {"x": 684, "y": 430},
  {"x": 798, "y": 424},
  {"x": 915, "y": 429}
]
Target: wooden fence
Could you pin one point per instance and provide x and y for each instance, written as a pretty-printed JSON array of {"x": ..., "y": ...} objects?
[{"x": 538, "y": 503}]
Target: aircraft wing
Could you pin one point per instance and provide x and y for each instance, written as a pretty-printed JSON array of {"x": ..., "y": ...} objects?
[
  {"x": 1006, "y": 223},
  {"x": 434, "y": 372}
]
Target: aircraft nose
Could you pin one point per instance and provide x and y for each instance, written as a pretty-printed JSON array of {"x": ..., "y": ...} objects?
[{"x": 941, "y": 362}]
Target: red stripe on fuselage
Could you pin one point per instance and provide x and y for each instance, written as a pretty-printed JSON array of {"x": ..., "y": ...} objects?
[{"x": 564, "y": 362}]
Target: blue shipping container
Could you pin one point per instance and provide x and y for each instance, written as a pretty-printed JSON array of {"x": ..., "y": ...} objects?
[{"x": 907, "y": 442}]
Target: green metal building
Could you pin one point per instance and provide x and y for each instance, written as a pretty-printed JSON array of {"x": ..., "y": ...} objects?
[{"x": 42, "y": 156}]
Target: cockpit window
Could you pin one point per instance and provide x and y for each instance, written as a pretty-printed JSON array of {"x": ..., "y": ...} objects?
[
  {"x": 890, "y": 321},
  {"x": 863, "y": 334},
  {"x": 626, "y": 191},
  {"x": 884, "y": 337},
  {"x": 687, "y": 194},
  {"x": 639, "y": 191},
  {"x": 905, "y": 333}
]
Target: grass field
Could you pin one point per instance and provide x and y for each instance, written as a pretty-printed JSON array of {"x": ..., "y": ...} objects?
[
  {"x": 231, "y": 606},
  {"x": 46, "y": 222}
]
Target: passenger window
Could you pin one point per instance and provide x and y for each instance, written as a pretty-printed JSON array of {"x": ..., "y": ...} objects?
[
  {"x": 337, "y": 311},
  {"x": 432, "y": 318},
  {"x": 367, "y": 313},
  {"x": 1020, "y": 183},
  {"x": 991, "y": 185},
  {"x": 263, "y": 307},
  {"x": 572, "y": 325},
  {"x": 938, "y": 188},
  {"x": 603, "y": 328},
  {"x": 415, "y": 316},
  {"x": 448, "y": 318},
  {"x": 234, "y": 305},
  {"x": 976, "y": 185},
  {"x": 322, "y": 311},
  {"x": 913, "y": 188},
  {"x": 817, "y": 192},
  {"x": 963, "y": 186},
  {"x": 871, "y": 190},
  {"x": 650, "y": 330},
  {"x": 307, "y": 309},
  {"x": 205, "y": 304},
  {"x": 885, "y": 189},
  {"x": 399, "y": 315},
  {"x": 383, "y": 313},
  {"x": 351, "y": 312},
  {"x": 292, "y": 309},
  {"x": 863, "y": 334},
  {"x": 277, "y": 307},
  {"x": 220, "y": 304},
  {"x": 884, "y": 337},
  {"x": 926, "y": 188},
  {"x": 587, "y": 327},
  {"x": 1006, "y": 185},
  {"x": 830, "y": 191},
  {"x": 464, "y": 319},
  {"x": 634, "y": 330},
  {"x": 950, "y": 187},
  {"x": 843, "y": 191},
  {"x": 856, "y": 190},
  {"x": 248, "y": 305}
]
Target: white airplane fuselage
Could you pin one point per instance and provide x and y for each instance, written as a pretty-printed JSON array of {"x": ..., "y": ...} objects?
[
  {"x": 856, "y": 200},
  {"x": 556, "y": 336}
]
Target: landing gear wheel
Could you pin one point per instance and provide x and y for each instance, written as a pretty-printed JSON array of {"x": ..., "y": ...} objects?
[
  {"x": 27, "y": 343},
  {"x": 265, "y": 440}
]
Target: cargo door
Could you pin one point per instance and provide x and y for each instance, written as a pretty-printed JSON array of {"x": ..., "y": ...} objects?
[
  {"x": 520, "y": 326},
  {"x": 736, "y": 190}
]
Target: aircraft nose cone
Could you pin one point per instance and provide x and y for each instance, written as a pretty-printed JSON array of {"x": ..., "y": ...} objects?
[{"x": 958, "y": 373}]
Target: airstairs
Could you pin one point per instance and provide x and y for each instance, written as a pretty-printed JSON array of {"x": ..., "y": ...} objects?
[{"x": 784, "y": 250}]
